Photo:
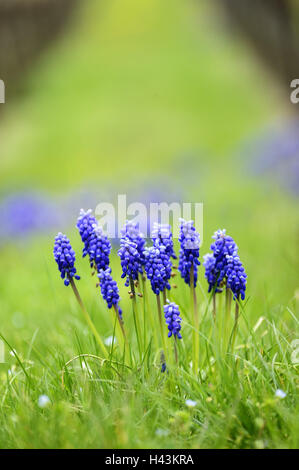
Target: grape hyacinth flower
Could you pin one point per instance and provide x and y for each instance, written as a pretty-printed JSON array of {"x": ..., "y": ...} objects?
[
  {"x": 158, "y": 267},
  {"x": 224, "y": 269},
  {"x": 96, "y": 244},
  {"x": 162, "y": 233},
  {"x": 131, "y": 231},
  {"x": 158, "y": 270},
  {"x": 188, "y": 267},
  {"x": 85, "y": 224},
  {"x": 209, "y": 262},
  {"x": 65, "y": 258},
  {"x": 223, "y": 266},
  {"x": 99, "y": 248},
  {"x": 131, "y": 267},
  {"x": 236, "y": 277},
  {"x": 130, "y": 260},
  {"x": 110, "y": 294},
  {"x": 223, "y": 247},
  {"x": 173, "y": 319},
  {"x": 189, "y": 251},
  {"x": 109, "y": 290}
]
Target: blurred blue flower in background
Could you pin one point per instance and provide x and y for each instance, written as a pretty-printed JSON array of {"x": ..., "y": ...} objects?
[
  {"x": 24, "y": 213},
  {"x": 31, "y": 212},
  {"x": 276, "y": 154}
]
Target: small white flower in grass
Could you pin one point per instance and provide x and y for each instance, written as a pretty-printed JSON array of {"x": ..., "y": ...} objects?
[
  {"x": 43, "y": 401},
  {"x": 109, "y": 340},
  {"x": 13, "y": 352},
  {"x": 162, "y": 432},
  {"x": 12, "y": 371},
  {"x": 191, "y": 403},
  {"x": 86, "y": 368},
  {"x": 280, "y": 393}
]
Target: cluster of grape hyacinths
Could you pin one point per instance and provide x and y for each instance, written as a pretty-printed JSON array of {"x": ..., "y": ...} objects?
[
  {"x": 173, "y": 320},
  {"x": 109, "y": 290},
  {"x": 64, "y": 256},
  {"x": 223, "y": 270},
  {"x": 158, "y": 267},
  {"x": 96, "y": 244},
  {"x": 189, "y": 251},
  {"x": 162, "y": 233},
  {"x": 223, "y": 266}
]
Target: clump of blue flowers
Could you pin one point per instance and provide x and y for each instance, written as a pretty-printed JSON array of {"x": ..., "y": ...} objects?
[
  {"x": 162, "y": 233},
  {"x": 65, "y": 257},
  {"x": 223, "y": 270},
  {"x": 158, "y": 267},
  {"x": 109, "y": 289},
  {"x": 189, "y": 251},
  {"x": 96, "y": 244},
  {"x": 173, "y": 320},
  {"x": 223, "y": 266}
]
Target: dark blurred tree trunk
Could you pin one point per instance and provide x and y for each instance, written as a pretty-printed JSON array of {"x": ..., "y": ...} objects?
[
  {"x": 272, "y": 27},
  {"x": 26, "y": 28}
]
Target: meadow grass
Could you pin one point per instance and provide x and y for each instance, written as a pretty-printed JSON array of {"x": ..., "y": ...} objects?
[
  {"x": 147, "y": 97},
  {"x": 96, "y": 403}
]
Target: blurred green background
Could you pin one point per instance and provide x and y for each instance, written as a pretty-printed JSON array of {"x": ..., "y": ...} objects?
[{"x": 134, "y": 93}]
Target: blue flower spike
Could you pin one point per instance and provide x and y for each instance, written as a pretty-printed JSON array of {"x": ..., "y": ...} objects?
[
  {"x": 224, "y": 270},
  {"x": 162, "y": 233},
  {"x": 158, "y": 267},
  {"x": 173, "y": 321},
  {"x": 223, "y": 266},
  {"x": 65, "y": 258},
  {"x": 131, "y": 231},
  {"x": 188, "y": 267},
  {"x": 96, "y": 243},
  {"x": 189, "y": 251},
  {"x": 109, "y": 290},
  {"x": 130, "y": 260}
]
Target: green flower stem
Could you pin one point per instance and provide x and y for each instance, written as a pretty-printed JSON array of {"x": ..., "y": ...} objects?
[
  {"x": 141, "y": 294},
  {"x": 195, "y": 358},
  {"x": 164, "y": 297},
  {"x": 176, "y": 351},
  {"x": 228, "y": 304},
  {"x": 121, "y": 334},
  {"x": 136, "y": 317},
  {"x": 236, "y": 323},
  {"x": 214, "y": 306},
  {"x": 88, "y": 319},
  {"x": 161, "y": 323},
  {"x": 149, "y": 313}
]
